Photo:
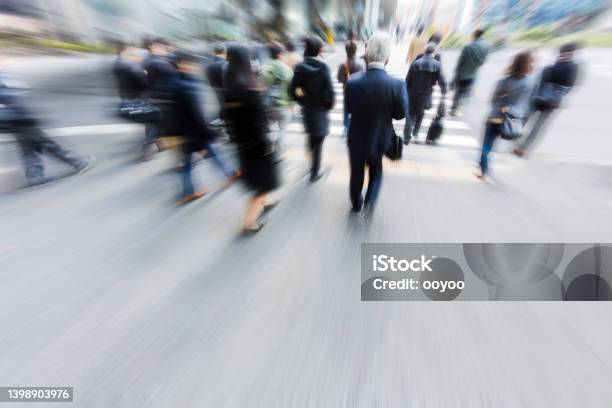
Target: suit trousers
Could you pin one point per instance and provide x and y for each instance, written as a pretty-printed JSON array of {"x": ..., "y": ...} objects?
[
  {"x": 358, "y": 164},
  {"x": 315, "y": 145}
]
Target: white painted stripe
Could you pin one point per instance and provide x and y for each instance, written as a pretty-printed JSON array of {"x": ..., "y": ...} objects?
[
  {"x": 299, "y": 127},
  {"x": 8, "y": 170},
  {"x": 86, "y": 130},
  {"x": 448, "y": 124},
  {"x": 447, "y": 139},
  {"x": 95, "y": 130},
  {"x": 435, "y": 97},
  {"x": 453, "y": 140}
]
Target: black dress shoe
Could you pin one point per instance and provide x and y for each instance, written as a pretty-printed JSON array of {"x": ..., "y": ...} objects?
[
  {"x": 356, "y": 207},
  {"x": 315, "y": 178}
]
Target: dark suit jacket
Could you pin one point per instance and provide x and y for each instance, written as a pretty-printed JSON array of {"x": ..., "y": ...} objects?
[
  {"x": 313, "y": 78},
  {"x": 131, "y": 79},
  {"x": 423, "y": 75},
  {"x": 161, "y": 74},
  {"x": 214, "y": 72},
  {"x": 373, "y": 99},
  {"x": 190, "y": 122}
]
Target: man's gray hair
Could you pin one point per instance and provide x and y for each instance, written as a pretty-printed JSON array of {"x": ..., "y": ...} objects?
[{"x": 378, "y": 48}]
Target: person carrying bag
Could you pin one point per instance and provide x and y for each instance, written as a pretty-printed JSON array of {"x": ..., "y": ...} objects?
[{"x": 510, "y": 105}]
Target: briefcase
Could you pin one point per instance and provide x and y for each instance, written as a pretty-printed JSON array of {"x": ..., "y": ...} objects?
[
  {"x": 435, "y": 130},
  {"x": 394, "y": 151}
]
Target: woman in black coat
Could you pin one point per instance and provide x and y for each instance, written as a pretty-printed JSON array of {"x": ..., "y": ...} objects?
[
  {"x": 244, "y": 114},
  {"x": 312, "y": 88}
]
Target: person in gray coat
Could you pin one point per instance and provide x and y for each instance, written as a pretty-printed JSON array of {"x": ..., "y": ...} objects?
[
  {"x": 471, "y": 59},
  {"x": 512, "y": 95}
]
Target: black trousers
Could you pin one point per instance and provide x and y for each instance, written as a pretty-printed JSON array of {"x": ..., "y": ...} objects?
[
  {"x": 358, "y": 164},
  {"x": 33, "y": 142},
  {"x": 416, "y": 120},
  {"x": 463, "y": 88},
  {"x": 542, "y": 119},
  {"x": 315, "y": 145}
]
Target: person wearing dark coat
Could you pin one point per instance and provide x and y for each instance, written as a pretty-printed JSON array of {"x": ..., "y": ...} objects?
[
  {"x": 312, "y": 88},
  {"x": 560, "y": 76},
  {"x": 130, "y": 75},
  {"x": 423, "y": 75},
  {"x": 161, "y": 75},
  {"x": 214, "y": 71},
  {"x": 245, "y": 116},
  {"x": 190, "y": 123},
  {"x": 132, "y": 86},
  {"x": 373, "y": 99}
]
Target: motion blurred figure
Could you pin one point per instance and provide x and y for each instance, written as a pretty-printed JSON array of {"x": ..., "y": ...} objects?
[
  {"x": 312, "y": 88},
  {"x": 511, "y": 96},
  {"x": 373, "y": 99},
  {"x": 277, "y": 78},
  {"x": 132, "y": 85},
  {"x": 348, "y": 68},
  {"x": 214, "y": 71},
  {"x": 555, "y": 82},
  {"x": 423, "y": 75},
  {"x": 17, "y": 117},
  {"x": 435, "y": 38},
  {"x": 418, "y": 42},
  {"x": 130, "y": 75},
  {"x": 191, "y": 126},
  {"x": 291, "y": 57},
  {"x": 471, "y": 59},
  {"x": 245, "y": 116},
  {"x": 161, "y": 75}
]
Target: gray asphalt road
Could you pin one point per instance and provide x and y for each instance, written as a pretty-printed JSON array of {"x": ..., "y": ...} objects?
[{"x": 108, "y": 287}]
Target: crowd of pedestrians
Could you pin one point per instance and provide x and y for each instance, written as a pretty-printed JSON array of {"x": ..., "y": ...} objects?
[{"x": 158, "y": 87}]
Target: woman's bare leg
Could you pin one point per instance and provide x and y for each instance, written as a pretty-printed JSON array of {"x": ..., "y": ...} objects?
[{"x": 254, "y": 209}]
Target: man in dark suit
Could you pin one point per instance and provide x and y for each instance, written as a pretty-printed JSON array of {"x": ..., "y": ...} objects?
[{"x": 373, "y": 99}]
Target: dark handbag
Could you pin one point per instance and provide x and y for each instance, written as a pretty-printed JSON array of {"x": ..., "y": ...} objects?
[
  {"x": 395, "y": 148},
  {"x": 435, "y": 129},
  {"x": 550, "y": 95},
  {"x": 511, "y": 127},
  {"x": 138, "y": 111}
]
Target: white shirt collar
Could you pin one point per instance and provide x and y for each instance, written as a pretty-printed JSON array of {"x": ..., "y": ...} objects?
[{"x": 376, "y": 65}]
